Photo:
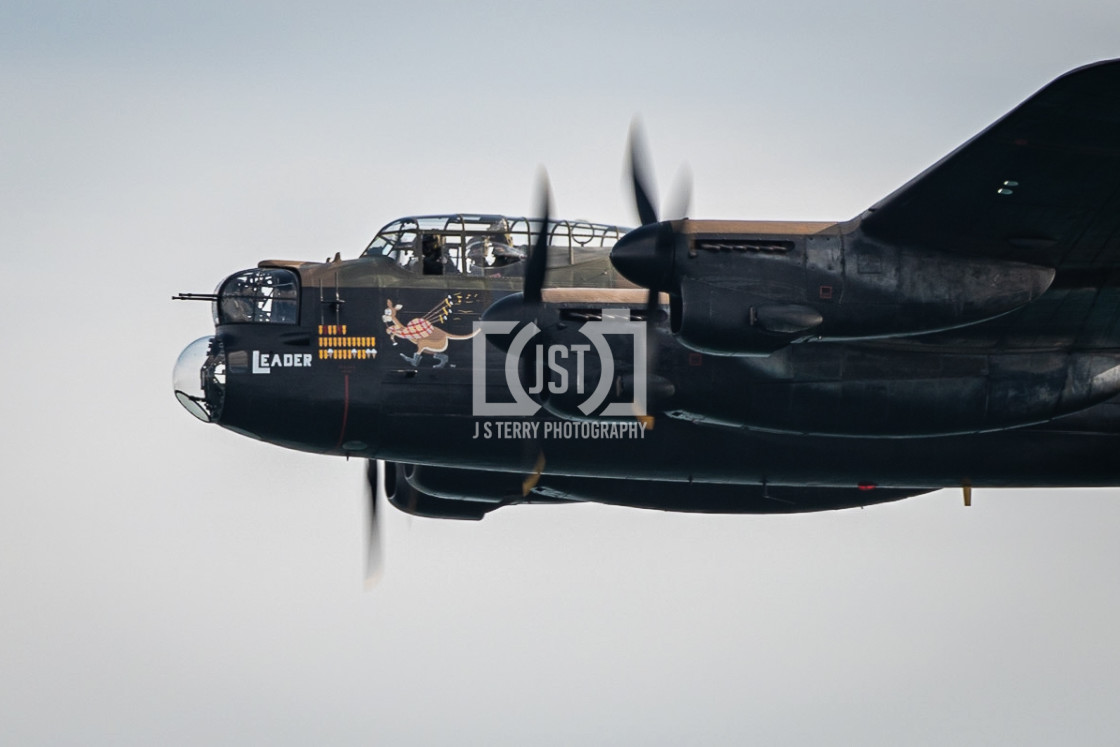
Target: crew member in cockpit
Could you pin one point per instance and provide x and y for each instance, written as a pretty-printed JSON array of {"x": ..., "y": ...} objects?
[
  {"x": 501, "y": 242},
  {"x": 431, "y": 250},
  {"x": 495, "y": 249}
]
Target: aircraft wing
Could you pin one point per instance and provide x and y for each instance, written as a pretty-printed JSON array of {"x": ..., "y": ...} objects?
[{"x": 1040, "y": 185}]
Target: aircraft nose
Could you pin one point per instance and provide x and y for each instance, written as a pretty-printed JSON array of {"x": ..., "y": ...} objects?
[
  {"x": 199, "y": 378},
  {"x": 645, "y": 255}
]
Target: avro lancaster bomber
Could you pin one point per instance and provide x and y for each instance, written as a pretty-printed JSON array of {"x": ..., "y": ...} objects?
[{"x": 964, "y": 331}]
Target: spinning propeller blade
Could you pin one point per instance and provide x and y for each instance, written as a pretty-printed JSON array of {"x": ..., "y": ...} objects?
[
  {"x": 680, "y": 196},
  {"x": 532, "y": 294},
  {"x": 645, "y": 193},
  {"x": 374, "y": 560},
  {"x": 647, "y": 253},
  {"x": 538, "y": 257},
  {"x": 639, "y": 175}
]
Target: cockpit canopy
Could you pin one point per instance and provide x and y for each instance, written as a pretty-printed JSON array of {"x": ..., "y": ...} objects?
[{"x": 486, "y": 245}]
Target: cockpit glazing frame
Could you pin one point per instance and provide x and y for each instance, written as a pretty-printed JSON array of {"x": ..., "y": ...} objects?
[{"x": 479, "y": 244}]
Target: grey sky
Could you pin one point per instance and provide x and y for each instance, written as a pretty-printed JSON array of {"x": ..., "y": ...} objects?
[{"x": 165, "y": 582}]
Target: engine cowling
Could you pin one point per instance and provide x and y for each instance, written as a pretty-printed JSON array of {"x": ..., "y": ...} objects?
[
  {"x": 720, "y": 321},
  {"x": 401, "y": 483},
  {"x": 743, "y": 288}
]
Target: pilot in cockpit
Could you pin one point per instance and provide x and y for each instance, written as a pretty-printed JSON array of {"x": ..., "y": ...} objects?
[
  {"x": 495, "y": 249},
  {"x": 435, "y": 261}
]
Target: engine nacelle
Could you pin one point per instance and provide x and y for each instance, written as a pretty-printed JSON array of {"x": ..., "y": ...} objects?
[
  {"x": 743, "y": 288},
  {"x": 724, "y": 322},
  {"x": 402, "y": 487}
]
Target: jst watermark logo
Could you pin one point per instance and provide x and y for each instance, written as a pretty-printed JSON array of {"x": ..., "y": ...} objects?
[{"x": 582, "y": 372}]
